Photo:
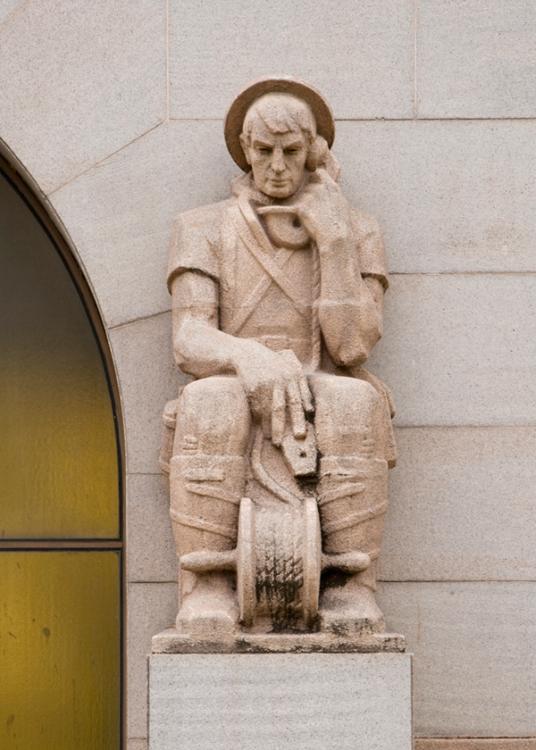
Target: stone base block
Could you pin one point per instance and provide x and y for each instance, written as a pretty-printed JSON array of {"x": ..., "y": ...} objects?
[{"x": 280, "y": 701}]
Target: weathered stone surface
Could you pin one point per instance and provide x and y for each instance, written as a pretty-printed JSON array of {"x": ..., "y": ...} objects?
[
  {"x": 170, "y": 641},
  {"x": 8, "y": 7},
  {"x": 280, "y": 702},
  {"x": 474, "y": 660},
  {"x": 460, "y": 349},
  {"x": 137, "y": 745},
  {"x": 79, "y": 81},
  {"x": 452, "y": 196},
  {"x": 120, "y": 213},
  {"x": 462, "y": 505},
  {"x": 489, "y": 743},
  {"x": 147, "y": 378},
  {"x": 150, "y": 546},
  {"x": 208, "y": 64},
  {"x": 476, "y": 59},
  {"x": 151, "y": 607}
]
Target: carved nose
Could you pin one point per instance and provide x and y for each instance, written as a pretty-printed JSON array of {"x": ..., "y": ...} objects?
[{"x": 278, "y": 163}]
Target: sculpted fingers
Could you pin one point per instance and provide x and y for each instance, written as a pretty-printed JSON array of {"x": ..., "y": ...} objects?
[
  {"x": 295, "y": 375},
  {"x": 297, "y": 416},
  {"x": 304, "y": 208},
  {"x": 305, "y": 393},
  {"x": 278, "y": 414}
]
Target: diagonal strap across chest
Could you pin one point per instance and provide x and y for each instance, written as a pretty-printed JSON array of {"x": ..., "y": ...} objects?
[
  {"x": 256, "y": 295},
  {"x": 271, "y": 261}
]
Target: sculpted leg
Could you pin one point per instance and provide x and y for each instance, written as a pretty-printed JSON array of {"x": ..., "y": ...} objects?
[
  {"x": 207, "y": 475},
  {"x": 350, "y": 430}
]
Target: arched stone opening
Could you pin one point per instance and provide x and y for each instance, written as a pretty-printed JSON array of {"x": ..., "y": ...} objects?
[{"x": 61, "y": 496}]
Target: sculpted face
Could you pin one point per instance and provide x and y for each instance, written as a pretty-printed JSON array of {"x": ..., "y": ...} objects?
[
  {"x": 278, "y": 131},
  {"x": 277, "y": 160}
]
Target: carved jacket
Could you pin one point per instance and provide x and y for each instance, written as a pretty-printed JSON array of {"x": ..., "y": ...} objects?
[{"x": 266, "y": 292}]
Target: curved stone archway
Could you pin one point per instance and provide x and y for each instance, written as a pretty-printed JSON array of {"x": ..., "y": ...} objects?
[{"x": 62, "y": 538}]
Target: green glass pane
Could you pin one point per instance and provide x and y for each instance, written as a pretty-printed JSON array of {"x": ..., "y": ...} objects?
[
  {"x": 58, "y": 459},
  {"x": 59, "y": 650}
]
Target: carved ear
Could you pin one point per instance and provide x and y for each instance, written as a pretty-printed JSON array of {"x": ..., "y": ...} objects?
[{"x": 245, "y": 147}]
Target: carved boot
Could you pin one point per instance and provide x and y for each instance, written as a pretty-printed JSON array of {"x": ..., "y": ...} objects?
[
  {"x": 352, "y": 504},
  {"x": 205, "y": 496}
]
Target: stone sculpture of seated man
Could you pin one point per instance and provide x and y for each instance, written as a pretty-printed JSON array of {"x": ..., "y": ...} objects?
[{"x": 277, "y": 302}]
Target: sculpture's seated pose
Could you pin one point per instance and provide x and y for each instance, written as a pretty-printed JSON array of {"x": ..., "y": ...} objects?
[{"x": 277, "y": 302}]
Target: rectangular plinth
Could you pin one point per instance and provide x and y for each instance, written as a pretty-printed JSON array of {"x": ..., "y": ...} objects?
[{"x": 280, "y": 701}]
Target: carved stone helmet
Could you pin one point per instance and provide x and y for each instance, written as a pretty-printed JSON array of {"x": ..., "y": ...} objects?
[{"x": 234, "y": 120}]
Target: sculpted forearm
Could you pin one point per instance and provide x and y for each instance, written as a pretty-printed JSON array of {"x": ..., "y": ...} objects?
[
  {"x": 352, "y": 325},
  {"x": 199, "y": 349},
  {"x": 350, "y": 311}
]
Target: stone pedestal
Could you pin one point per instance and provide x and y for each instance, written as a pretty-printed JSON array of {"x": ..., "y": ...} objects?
[{"x": 286, "y": 701}]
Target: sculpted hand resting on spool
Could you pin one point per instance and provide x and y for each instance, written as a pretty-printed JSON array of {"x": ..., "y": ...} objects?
[{"x": 278, "y": 451}]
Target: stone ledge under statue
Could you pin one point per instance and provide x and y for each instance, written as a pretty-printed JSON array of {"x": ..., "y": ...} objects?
[{"x": 171, "y": 641}]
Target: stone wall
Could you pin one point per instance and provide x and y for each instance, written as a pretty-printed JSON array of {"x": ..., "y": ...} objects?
[{"x": 115, "y": 107}]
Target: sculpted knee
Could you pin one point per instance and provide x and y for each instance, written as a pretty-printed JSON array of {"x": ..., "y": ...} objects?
[
  {"x": 361, "y": 395},
  {"x": 213, "y": 416},
  {"x": 342, "y": 397},
  {"x": 345, "y": 414}
]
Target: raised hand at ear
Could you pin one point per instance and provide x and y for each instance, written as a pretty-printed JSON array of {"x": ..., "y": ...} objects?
[
  {"x": 323, "y": 209},
  {"x": 318, "y": 151},
  {"x": 320, "y": 156}
]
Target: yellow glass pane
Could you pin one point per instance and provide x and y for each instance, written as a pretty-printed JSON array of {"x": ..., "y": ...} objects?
[
  {"x": 60, "y": 650},
  {"x": 58, "y": 460}
]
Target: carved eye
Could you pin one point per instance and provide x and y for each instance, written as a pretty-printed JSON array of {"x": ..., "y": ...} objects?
[{"x": 264, "y": 150}]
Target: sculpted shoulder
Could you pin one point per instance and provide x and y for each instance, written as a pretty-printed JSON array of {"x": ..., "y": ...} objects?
[
  {"x": 364, "y": 225},
  {"x": 195, "y": 239},
  {"x": 203, "y": 219}
]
